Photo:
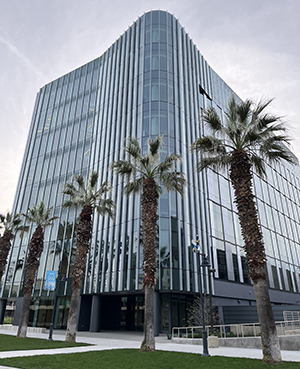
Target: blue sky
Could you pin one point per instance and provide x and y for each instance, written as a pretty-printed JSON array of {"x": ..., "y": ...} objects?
[{"x": 253, "y": 45}]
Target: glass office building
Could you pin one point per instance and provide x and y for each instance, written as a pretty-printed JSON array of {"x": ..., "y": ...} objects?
[{"x": 153, "y": 80}]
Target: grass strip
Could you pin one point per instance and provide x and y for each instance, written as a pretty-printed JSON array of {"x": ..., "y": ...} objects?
[
  {"x": 13, "y": 343},
  {"x": 135, "y": 359}
]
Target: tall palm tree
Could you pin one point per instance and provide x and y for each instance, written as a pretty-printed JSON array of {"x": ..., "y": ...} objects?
[
  {"x": 40, "y": 216},
  {"x": 89, "y": 199},
  {"x": 146, "y": 174},
  {"x": 11, "y": 225},
  {"x": 247, "y": 138}
]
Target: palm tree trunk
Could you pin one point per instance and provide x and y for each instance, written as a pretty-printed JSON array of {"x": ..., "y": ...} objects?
[
  {"x": 83, "y": 236},
  {"x": 23, "y": 324},
  {"x": 241, "y": 178},
  {"x": 149, "y": 221},
  {"x": 269, "y": 338},
  {"x": 148, "y": 343},
  {"x": 32, "y": 264},
  {"x": 4, "y": 250},
  {"x": 72, "y": 318}
]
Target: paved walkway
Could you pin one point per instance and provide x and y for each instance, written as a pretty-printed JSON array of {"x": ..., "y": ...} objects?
[{"x": 118, "y": 340}]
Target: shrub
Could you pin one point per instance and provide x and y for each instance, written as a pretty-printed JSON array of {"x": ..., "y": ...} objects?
[{"x": 8, "y": 320}]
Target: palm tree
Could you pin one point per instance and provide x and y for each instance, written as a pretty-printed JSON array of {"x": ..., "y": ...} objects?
[
  {"x": 11, "y": 225},
  {"x": 40, "y": 216},
  {"x": 247, "y": 139},
  {"x": 146, "y": 174},
  {"x": 89, "y": 199}
]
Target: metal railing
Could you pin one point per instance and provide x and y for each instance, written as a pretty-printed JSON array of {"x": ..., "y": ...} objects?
[
  {"x": 236, "y": 330},
  {"x": 291, "y": 315}
]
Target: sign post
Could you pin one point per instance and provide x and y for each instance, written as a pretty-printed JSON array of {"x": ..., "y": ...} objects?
[{"x": 50, "y": 285}]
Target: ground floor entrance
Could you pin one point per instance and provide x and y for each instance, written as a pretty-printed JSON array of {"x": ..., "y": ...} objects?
[
  {"x": 113, "y": 312},
  {"x": 110, "y": 312}
]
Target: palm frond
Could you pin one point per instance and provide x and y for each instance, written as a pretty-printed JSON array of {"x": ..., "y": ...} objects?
[
  {"x": 261, "y": 106},
  {"x": 106, "y": 206},
  {"x": 79, "y": 180},
  {"x": 209, "y": 144},
  {"x": 69, "y": 204},
  {"x": 69, "y": 189},
  {"x": 145, "y": 161},
  {"x": 41, "y": 209},
  {"x": 220, "y": 162},
  {"x": 247, "y": 128},
  {"x": 146, "y": 166},
  {"x": 133, "y": 148},
  {"x": 278, "y": 153},
  {"x": 243, "y": 110},
  {"x": 104, "y": 188},
  {"x": 268, "y": 122},
  {"x": 39, "y": 215},
  {"x": 93, "y": 180},
  {"x": 135, "y": 186},
  {"x": 251, "y": 137},
  {"x": 174, "y": 181},
  {"x": 123, "y": 167},
  {"x": 23, "y": 229},
  {"x": 87, "y": 194},
  {"x": 269, "y": 143},
  {"x": 12, "y": 223},
  {"x": 2, "y": 218},
  {"x": 258, "y": 164},
  {"x": 168, "y": 163},
  {"x": 138, "y": 168},
  {"x": 212, "y": 120},
  {"x": 69, "y": 192},
  {"x": 154, "y": 146},
  {"x": 230, "y": 113}
]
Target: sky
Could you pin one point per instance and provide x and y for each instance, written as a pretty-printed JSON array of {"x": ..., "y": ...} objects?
[{"x": 253, "y": 45}]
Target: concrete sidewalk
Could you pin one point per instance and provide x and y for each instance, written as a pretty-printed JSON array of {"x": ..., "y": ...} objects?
[{"x": 120, "y": 340}]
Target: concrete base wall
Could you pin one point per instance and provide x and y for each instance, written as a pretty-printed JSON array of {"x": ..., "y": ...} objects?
[
  {"x": 14, "y": 328},
  {"x": 290, "y": 343}
]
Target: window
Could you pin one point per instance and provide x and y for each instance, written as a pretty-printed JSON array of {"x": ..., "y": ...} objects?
[
  {"x": 245, "y": 270},
  {"x": 275, "y": 277},
  {"x": 235, "y": 268},
  {"x": 222, "y": 264}
]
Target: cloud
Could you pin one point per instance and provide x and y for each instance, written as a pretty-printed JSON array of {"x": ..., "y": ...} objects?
[{"x": 13, "y": 49}]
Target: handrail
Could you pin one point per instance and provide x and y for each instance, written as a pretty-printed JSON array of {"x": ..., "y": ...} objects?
[{"x": 236, "y": 330}]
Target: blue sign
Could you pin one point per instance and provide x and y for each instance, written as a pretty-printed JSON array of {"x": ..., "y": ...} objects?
[
  {"x": 195, "y": 246},
  {"x": 50, "y": 280}
]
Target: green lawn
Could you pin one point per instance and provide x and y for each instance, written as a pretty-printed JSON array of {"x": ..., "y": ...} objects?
[
  {"x": 134, "y": 359},
  {"x": 12, "y": 343}
]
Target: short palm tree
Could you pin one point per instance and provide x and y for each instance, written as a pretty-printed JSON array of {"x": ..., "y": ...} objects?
[
  {"x": 89, "y": 199},
  {"x": 40, "y": 216},
  {"x": 247, "y": 138},
  {"x": 146, "y": 174},
  {"x": 11, "y": 225}
]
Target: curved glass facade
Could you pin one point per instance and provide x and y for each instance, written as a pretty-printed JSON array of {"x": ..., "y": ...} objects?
[{"x": 152, "y": 80}]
